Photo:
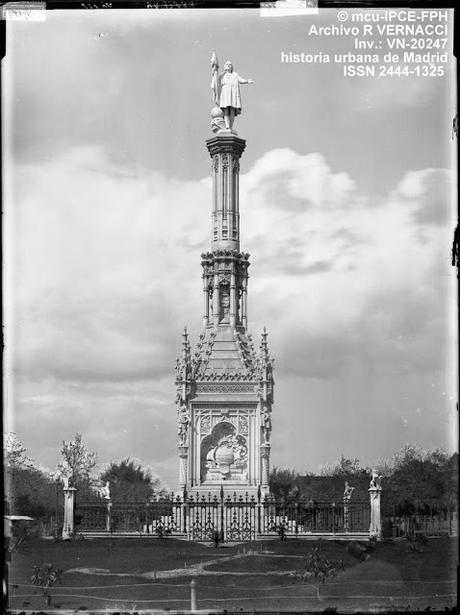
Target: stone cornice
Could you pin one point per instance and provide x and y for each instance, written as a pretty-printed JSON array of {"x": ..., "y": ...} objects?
[
  {"x": 209, "y": 256},
  {"x": 226, "y": 144}
]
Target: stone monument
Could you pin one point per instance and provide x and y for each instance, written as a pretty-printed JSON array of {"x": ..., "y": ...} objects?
[{"x": 224, "y": 386}]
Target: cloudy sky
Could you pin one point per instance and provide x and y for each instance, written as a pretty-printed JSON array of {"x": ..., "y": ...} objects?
[{"x": 347, "y": 202}]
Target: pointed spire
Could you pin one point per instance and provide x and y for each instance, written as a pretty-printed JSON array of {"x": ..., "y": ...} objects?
[
  {"x": 264, "y": 344},
  {"x": 184, "y": 342}
]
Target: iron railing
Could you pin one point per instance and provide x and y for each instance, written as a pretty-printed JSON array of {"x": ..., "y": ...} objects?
[{"x": 235, "y": 517}]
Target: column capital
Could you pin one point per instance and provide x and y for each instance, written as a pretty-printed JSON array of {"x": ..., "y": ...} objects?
[{"x": 226, "y": 143}]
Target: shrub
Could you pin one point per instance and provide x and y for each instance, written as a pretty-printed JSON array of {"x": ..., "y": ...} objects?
[
  {"x": 45, "y": 576},
  {"x": 416, "y": 542},
  {"x": 161, "y": 531},
  {"x": 216, "y": 538},
  {"x": 357, "y": 550},
  {"x": 319, "y": 567}
]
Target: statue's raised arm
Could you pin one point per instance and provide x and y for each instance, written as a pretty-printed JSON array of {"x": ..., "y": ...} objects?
[{"x": 226, "y": 93}]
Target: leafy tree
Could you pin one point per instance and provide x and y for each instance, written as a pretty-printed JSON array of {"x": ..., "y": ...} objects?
[
  {"x": 283, "y": 483},
  {"x": 420, "y": 479},
  {"x": 77, "y": 461},
  {"x": 345, "y": 468},
  {"x": 15, "y": 454},
  {"x": 129, "y": 481},
  {"x": 31, "y": 492}
]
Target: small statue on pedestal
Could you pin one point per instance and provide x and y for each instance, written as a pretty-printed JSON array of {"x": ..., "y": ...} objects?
[
  {"x": 347, "y": 492},
  {"x": 266, "y": 426},
  {"x": 183, "y": 423},
  {"x": 105, "y": 491}
]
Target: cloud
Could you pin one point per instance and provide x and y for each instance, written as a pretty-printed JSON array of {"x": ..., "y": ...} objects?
[
  {"x": 292, "y": 182},
  {"x": 429, "y": 193}
]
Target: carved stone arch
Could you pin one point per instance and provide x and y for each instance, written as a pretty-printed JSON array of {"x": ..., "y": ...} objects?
[{"x": 224, "y": 454}]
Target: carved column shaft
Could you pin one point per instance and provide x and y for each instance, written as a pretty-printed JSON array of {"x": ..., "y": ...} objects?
[
  {"x": 265, "y": 457},
  {"x": 206, "y": 301},
  {"x": 216, "y": 300},
  {"x": 225, "y": 151},
  {"x": 233, "y": 300},
  {"x": 244, "y": 304}
]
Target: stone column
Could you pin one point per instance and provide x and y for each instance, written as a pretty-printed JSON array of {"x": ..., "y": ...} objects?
[
  {"x": 375, "y": 528},
  {"x": 206, "y": 302},
  {"x": 233, "y": 300},
  {"x": 244, "y": 304},
  {"x": 183, "y": 455},
  {"x": 216, "y": 300},
  {"x": 225, "y": 149},
  {"x": 346, "y": 520},
  {"x": 265, "y": 457},
  {"x": 69, "y": 500}
]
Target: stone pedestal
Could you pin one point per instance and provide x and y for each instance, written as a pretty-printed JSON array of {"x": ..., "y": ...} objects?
[
  {"x": 375, "y": 528},
  {"x": 346, "y": 518},
  {"x": 69, "y": 501}
]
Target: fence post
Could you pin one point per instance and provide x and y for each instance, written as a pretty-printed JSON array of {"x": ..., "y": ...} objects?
[
  {"x": 375, "y": 528},
  {"x": 346, "y": 519},
  {"x": 193, "y": 595},
  {"x": 108, "y": 516},
  {"x": 223, "y": 524},
  {"x": 69, "y": 500}
]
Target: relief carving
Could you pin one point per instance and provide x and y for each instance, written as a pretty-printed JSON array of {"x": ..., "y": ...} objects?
[
  {"x": 224, "y": 455},
  {"x": 205, "y": 424},
  {"x": 243, "y": 425}
]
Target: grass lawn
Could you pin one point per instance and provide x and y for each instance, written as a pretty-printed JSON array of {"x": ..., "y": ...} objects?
[{"x": 135, "y": 574}]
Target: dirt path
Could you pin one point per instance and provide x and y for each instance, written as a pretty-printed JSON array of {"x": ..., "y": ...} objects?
[{"x": 194, "y": 569}]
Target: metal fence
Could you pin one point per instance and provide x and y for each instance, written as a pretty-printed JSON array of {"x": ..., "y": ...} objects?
[
  {"x": 233, "y": 518},
  {"x": 435, "y": 522},
  {"x": 309, "y": 517}
]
